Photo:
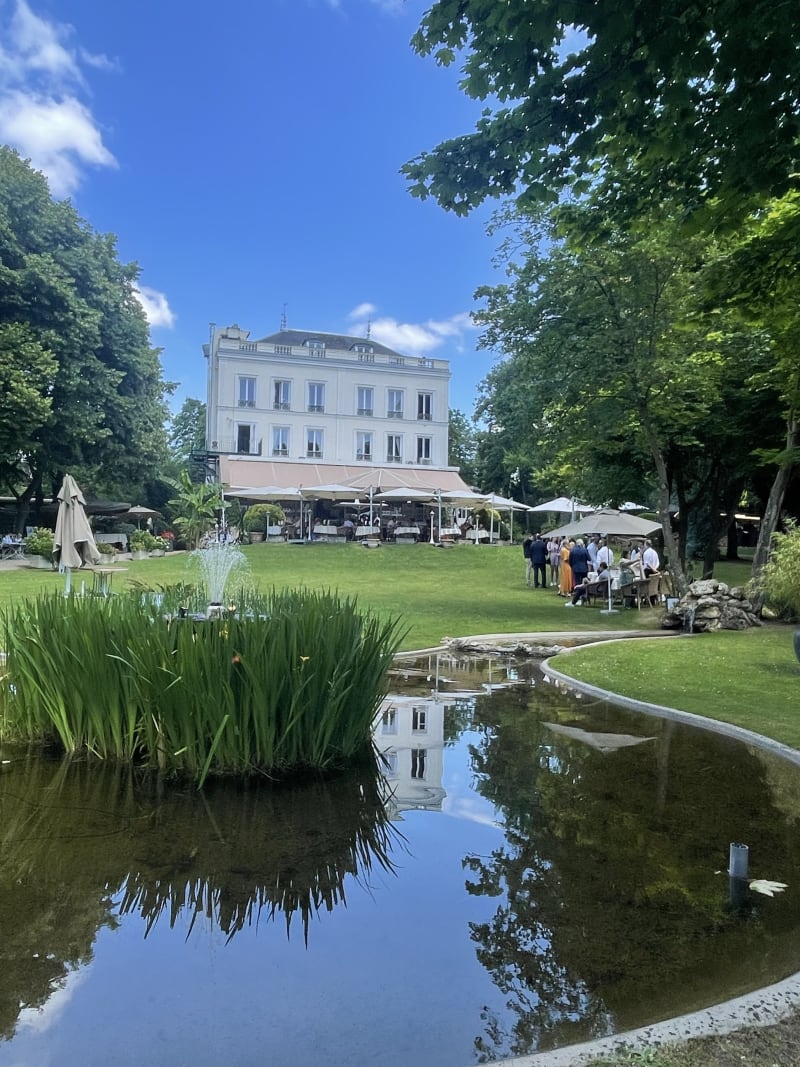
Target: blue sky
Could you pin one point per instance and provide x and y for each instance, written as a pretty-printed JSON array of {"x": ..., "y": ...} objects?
[{"x": 247, "y": 156}]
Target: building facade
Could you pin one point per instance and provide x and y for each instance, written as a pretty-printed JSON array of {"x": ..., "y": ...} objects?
[{"x": 325, "y": 401}]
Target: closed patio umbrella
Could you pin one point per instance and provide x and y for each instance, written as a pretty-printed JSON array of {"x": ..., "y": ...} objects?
[{"x": 73, "y": 541}]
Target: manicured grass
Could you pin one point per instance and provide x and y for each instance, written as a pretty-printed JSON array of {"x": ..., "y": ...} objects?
[
  {"x": 438, "y": 592},
  {"x": 750, "y": 678}
]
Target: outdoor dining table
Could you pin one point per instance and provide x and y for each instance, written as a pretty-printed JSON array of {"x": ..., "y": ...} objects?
[{"x": 406, "y": 534}]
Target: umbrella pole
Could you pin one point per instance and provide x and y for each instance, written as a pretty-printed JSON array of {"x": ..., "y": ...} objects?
[{"x": 68, "y": 583}]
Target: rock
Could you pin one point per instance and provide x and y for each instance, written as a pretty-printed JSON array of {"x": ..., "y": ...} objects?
[{"x": 705, "y": 587}]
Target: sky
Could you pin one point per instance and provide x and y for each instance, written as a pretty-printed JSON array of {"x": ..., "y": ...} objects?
[{"x": 247, "y": 155}]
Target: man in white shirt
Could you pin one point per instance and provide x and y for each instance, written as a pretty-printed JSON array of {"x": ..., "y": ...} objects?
[
  {"x": 604, "y": 555},
  {"x": 650, "y": 560}
]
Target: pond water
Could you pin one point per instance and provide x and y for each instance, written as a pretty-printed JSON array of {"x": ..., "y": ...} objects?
[{"x": 535, "y": 870}]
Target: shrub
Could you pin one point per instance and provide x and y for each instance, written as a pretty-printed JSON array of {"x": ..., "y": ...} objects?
[
  {"x": 144, "y": 541},
  {"x": 40, "y": 542},
  {"x": 259, "y": 516},
  {"x": 106, "y": 549},
  {"x": 780, "y": 577}
]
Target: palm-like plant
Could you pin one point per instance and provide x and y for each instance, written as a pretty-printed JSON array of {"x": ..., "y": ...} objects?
[{"x": 195, "y": 507}]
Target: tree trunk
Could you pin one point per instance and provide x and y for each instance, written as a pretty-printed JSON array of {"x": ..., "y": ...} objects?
[
  {"x": 680, "y": 585},
  {"x": 23, "y": 507},
  {"x": 772, "y": 512}
]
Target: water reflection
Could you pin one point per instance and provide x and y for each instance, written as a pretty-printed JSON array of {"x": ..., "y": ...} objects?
[
  {"x": 85, "y": 844},
  {"x": 556, "y": 879}
]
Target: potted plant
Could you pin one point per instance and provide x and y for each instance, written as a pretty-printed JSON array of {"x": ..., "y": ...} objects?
[
  {"x": 138, "y": 543},
  {"x": 107, "y": 551},
  {"x": 39, "y": 548},
  {"x": 259, "y": 517},
  {"x": 157, "y": 545}
]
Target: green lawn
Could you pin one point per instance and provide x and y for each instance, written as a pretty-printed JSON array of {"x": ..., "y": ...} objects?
[
  {"x": 750, "y": 678},
  {"x": 439, "y": 592}
]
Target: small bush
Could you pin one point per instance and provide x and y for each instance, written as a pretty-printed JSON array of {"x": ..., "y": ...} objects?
[
  {"x": 40, "y": 542},
  {"x": 259, "y": 516},
  {"x": 780, "y": 577}
]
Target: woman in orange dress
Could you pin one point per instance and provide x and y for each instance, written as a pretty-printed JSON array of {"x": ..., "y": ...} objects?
[{"x": 565, "y": 576}]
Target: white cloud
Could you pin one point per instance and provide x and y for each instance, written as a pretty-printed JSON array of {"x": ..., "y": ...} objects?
[
  {"x": 156, "y": 306},
  {"x": 412, "y": 339},
  {"x": 41, "y": 114}
]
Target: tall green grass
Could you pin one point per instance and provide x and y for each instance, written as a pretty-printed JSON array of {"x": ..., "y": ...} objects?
[{"x": 292, "y": 681}]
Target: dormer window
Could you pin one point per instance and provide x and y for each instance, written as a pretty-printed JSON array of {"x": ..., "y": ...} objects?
[
  {"x": 364, "y": 349},
  {"x": 316, "y": 348}
]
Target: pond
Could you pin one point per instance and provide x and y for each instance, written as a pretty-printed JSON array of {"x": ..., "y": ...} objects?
[{"x": 535, "y": 870}]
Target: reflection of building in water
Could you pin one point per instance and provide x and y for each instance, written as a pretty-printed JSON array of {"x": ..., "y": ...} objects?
[{"x": 409, "y": 733}]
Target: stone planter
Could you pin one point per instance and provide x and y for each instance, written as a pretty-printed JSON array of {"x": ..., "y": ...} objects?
[
  {"x": 255, "y": 537},
  {"x": 138, "y": 553},
  {"x": 156, "y": 553},
  {"x": 41, "y": 563}
]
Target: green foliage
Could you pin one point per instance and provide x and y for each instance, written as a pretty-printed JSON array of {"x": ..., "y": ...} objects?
[
  {"x": 462, "y": 438},
  {"x": 92, "y": 386},
  {"x": 106, "y": 549},
  {"x": 259, "y": 516},
  {"x": 144, "y": 541},
  {"x": 195, "y": 506},
  {"x": 695, "y": 102},
  {"x": 292, "y": 682},
  {"x": 40, "y": 542},
  {"x": 187, "y": 431},
  {"x": 616, "y": 374},
  {"x": 780, "y": 576}
]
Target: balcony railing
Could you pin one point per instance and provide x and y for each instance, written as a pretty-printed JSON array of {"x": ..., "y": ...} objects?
[
  {"x": 394, "y": 414},
  {"x": 366, "y": 412},
  {"x": 319, "y": 408},
  {"x": 363, "y": 455},
  {"x": 281, "y": 405},
  {"x": 246, "y": 403}
]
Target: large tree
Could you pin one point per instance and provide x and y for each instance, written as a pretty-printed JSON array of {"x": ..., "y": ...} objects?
[
  {"x": 70, "y": 310},
  {"x": 697, "y": 102},
  {"x": 616, "y": 370}
]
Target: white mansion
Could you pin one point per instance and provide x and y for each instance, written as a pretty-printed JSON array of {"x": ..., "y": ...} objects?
[{"x": 305, "y": 408}]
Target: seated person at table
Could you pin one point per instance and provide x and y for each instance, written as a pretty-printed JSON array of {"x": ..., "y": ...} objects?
[{"x": 598, "y": 583}]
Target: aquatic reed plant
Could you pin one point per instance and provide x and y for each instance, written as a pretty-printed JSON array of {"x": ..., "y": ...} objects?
[{"x": 293, "y": 682}]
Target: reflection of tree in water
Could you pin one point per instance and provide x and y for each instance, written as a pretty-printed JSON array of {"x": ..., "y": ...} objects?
[
  {"x": 609, "y": 912},
  {"x": 76, "y": 836}
]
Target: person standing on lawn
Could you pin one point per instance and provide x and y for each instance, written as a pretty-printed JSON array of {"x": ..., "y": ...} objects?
[
  {"x": 565, "y": 581},
  {"x": 579, "y": 562},
  {"x": 554, "y": 556},
  {"x": 539, "y": 562},
  {"x": 650, "y": 560},
  {"x": 526, "y": 552}
]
